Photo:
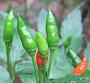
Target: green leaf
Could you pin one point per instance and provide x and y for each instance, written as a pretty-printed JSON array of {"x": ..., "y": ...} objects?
[
  {"x": 24, "y": 66},
  {"x": 61, "y": 65},
  {"x": 3, "y": 14},
  {"x": 72, "y": 79},
  {"x": 87, "y": 53},
  {"x": 42, "y": 21},
  {"x": 4, "y": 75},
  {"x": 72, "y": 27},
  {"x": 27, "y": 77},
  {"x": 25, "y": 71},
  {"x": 16, "y": 47},
  {"x": 76, "y": 44},
  {"x": 2, "y": 49}
]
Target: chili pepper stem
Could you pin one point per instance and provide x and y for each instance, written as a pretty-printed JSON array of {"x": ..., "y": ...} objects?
[
  {"x": 35, "y": 69},
  {"x": 50, "y": 62},
  {"x": 9, "y": 63},
  {"x": 45, "y": 74}
]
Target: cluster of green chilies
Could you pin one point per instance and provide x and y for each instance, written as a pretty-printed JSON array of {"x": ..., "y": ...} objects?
[
  {"x": 32, "y": 45},
  {"x": 39, "y": 44}
]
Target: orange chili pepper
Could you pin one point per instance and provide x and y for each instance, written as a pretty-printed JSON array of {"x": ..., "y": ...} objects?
[{"x": 81, "y": 68}]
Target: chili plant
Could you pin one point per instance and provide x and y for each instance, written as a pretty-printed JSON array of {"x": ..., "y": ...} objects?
[{"x": 42, "y": 49}]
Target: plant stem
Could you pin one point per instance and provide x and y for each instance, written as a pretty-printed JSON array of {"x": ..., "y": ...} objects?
[
  {"x": 44, "y": 68},
  {"x": 50, "y": 62},
  {"x": 9, "y": 63},
  {"x": 35, "y": 68},
  {"x": 41, "y": 76},
  {"x": 9, "y": 66}
]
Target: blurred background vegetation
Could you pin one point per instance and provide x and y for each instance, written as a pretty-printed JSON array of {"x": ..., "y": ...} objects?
[{"x": 29, "y": 9}]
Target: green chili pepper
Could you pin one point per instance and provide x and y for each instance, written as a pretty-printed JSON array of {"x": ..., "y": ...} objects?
[
  {"x": 51, "y": 30},
  {"x": 52, "y": 36},
  {"x": 27, "y": 40},
  {"x": 8, "y": 30},
  {"x": 8, "y": 38},
  {"x": 75, "y": 59},
  {"x": 41, "y": 44},
  {"x": 43, "y": 49},
  {"x": 28, "y": 43}
]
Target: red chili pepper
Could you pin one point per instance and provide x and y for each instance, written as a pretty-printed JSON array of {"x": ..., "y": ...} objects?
[
  {"x": 81, "y": 68},
  {"x": 84, "y": 60},
  {"x": 39, "y": 59}
]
